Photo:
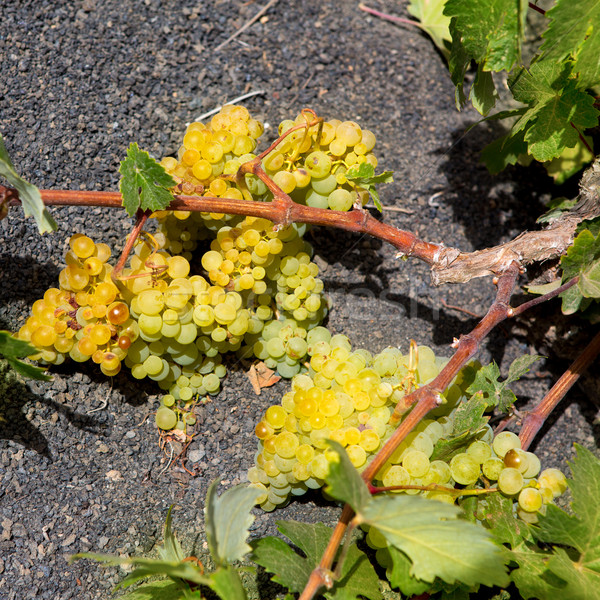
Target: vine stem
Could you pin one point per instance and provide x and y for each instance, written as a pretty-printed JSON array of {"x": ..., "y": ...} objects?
[
  {"x": 535, "y": 419},
  {"x": 422, "y": 401},
  {"x": 279, "y": 211},
  {"x": 140, "y": 220}
]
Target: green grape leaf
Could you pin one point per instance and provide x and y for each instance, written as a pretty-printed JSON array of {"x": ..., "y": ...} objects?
[
  {"x": 483, "y": 94},
  {"x": 468, "y": 417},
  {"x": 148, "y": 567},
  {"x": 459, "y": 62},
  {"x": 499, "y": 518},
  {"x": 433, "y": 21},
  {"x": 363, "y": 175},
  {"x": 227, "y": 584},
  {"x": 446, "y": 448},
  {"x": 358, "y": 577},
  {"x": 581, "y": 530},
  {"x": 399, "y": 575},
  {"x": 12, "y": 349},
  {"x": 543, "y": 288},
  {"x": 165, "y": 589},
  {"x": 580, "y": 260},
  {"x": 557, "y": 108},
  {"x": 573, "y": 30},
  {"x": 343, "y": 481},
  {"x": 592, "y": 225},
  {"x": 497, "y": 393},
  {"x": 562, "y": 572},
  {"x": 491, "y": 31},
  {"x": 556, "y": 208},
  {"x": 504, "y": 151},
  {"x": 228, "y": 518},
  {"x": 437, "y": 542},
  {"x": 30, "y": 196},
  {"x": 144, "y": 182},
  {"x": 589, "y": 281},
  {"x": 571, "y": 160},
  {"x": 171, "y": 548}
]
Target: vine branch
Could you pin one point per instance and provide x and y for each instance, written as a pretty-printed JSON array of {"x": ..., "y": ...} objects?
[{"x": 535, "y": 419}]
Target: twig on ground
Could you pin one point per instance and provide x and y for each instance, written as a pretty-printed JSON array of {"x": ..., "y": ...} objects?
[
  {"x": 245, "y": 26},
  {"x": 241, "y": 98}
]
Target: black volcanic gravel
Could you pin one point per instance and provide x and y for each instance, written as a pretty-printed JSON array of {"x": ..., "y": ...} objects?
[{"x": 80, "y": 465}]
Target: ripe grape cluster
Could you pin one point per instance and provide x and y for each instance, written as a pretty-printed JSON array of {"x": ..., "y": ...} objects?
[
  {"x": 87, "y": 317},
  {"x": 206, "y": 284},
  {"x": 349, "y": 396},
  {"x": 311, "y": 163}
]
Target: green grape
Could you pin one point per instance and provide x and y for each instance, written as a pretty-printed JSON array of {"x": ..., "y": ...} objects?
[
  {"x": 340, "y": 199},
  {"x": 505, "y": 441},
  {"x": 324, "y": 185},
  {"x": 421, "y": 442},
  {"x": 275, "y": 347},
  {"x": 510, "y": 481},
  {"x": 286, "y": 444},
  {"x": 479, "y": 451},
  {"x": 275, "y": 416},
  {"x": 416, "y": 463},
  {"x": 533, "y": 466},
  {"x": 441, "y": 469},
  {"x": 395, "y": 476},
  {"x": 530, "y": 499},
  {"x": 318, "y": 164},
  {"x": 517, "y": 459},
  {"x": 464, "y": 469},
  {"x": 492, "y": 467},
  {"x": 554, "y": 480},
  {"x": 357, "y": 455},
  {"x": 211, "y": 383},
  {"x": 165, "y": 418}
]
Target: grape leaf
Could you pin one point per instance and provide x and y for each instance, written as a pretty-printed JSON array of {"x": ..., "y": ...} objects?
[
  {"x": 499, "y": 518},
  {"x": 560, "y": 573},
  {"x": 144, "y": 183},
  {"x": 437, "y": 542},
  {"x": 573, "y": 28},
  {"x": 171, "y": 548},
  {"x": 343, "y": 481},
  {"x": 148, "y": 567},
  {"x": 557, "y": 107},
  {"x": 228, "y": 518},
  {"x": 446, "y": 448},
  {"x": 483, "y": 94},
  {"x": 556, "y": 207},
  {"x": 30, "y": 196},
  {"x": 358, "y": 578},
  {"x": 399, "y": 575},
  {"x": 12, "y": 349},
  {"x": 165, "y": 589},
  {"x": 490, "y": 31},
  {"x": 227, "y": 583},
  {"x": 363, "y": 175},
  {"x": 571, "y": 161},
  {"x": 497, "y": 393},
  {"x": 433, "y": 21},
  {"x": 581, "y": 260},
  {"x": 504, "y": 151},
  {"x": 467, "y": 427}
]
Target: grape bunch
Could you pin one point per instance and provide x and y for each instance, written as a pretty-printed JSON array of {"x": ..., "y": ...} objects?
[
  {"x": 311, "y": 162},
  {"x": 87, "y": 317},
  {"x": 349, "y": 397},
  {"x": 207, "y": 284}
]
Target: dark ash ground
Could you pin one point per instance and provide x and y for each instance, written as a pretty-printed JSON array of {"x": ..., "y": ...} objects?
[{"x": 80, "y": 466}]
